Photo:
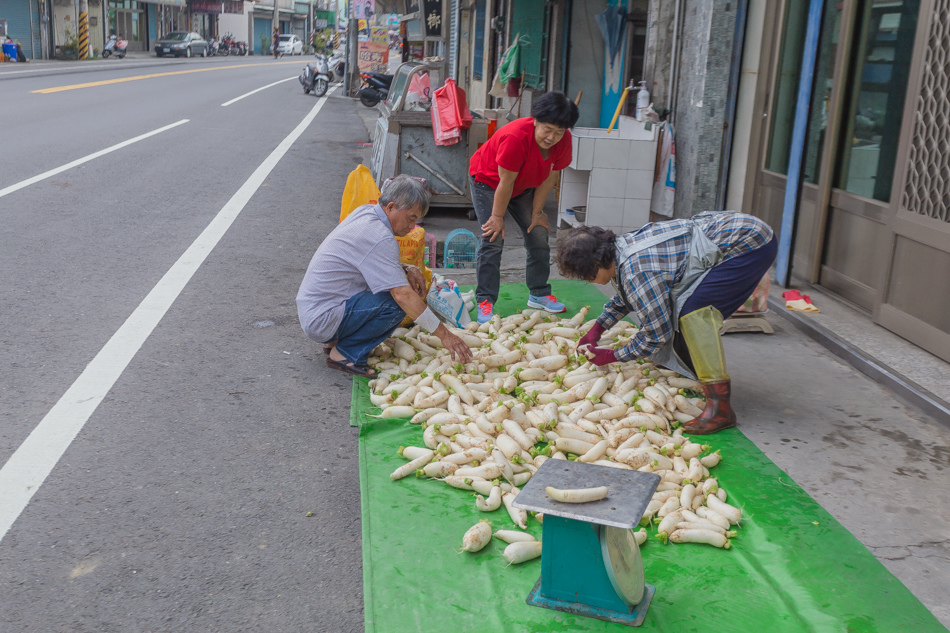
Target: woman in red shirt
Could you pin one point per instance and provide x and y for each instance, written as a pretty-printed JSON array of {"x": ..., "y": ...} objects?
[{"x": 514, "y": 171}]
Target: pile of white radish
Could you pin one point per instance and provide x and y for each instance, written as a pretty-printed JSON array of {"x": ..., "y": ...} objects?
[{"x": 528, "y": 396}]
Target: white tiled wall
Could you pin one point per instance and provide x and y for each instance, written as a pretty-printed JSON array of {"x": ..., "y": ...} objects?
[{"x": 612, "y": 175}]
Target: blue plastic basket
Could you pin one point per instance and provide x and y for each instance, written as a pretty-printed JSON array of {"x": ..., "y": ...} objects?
[{"x": 461, "y": 249}]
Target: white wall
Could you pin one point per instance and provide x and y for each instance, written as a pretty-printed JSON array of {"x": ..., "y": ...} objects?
[{"x": 235, "y": 23}]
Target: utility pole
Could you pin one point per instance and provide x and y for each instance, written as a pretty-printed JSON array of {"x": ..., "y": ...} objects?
[
  {"x": 353, "y": 50},
  {"x": 348, "y": 61},
  {"x": 83, "y": 29}
]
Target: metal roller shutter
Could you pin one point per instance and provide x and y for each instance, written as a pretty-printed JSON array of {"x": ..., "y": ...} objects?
[
  {"x": 453, "y": 39},
  {"x": 23, "y": 25}
]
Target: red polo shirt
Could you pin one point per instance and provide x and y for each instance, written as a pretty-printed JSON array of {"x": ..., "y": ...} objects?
[{"x": 513, "y": 148}]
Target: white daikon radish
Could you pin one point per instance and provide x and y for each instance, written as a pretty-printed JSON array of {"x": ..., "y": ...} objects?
[
  {"x": 437, "y": 470},
  {"x": 700, "y": 536},
  {"x": 549, "y": 363},
  {"x": 492, "y": 503},
  {"x": 396, "y": 412},
  {"x": 669, "y": 523},
  {"x": 515, "y": 432},
  {"x": 669, "y": 506},
  {"x": 488, "y": 470},
  {"x": 519, "y": 516},
  {"x": 732, "y": 513},
  {"x": 466, "y": 457},
  {"x": 713, "y": 517},
  {"x": 514, "y": 536},
  {"x": 411, "y": 467},
  {"x": 521, "y": 552},
  {"x": 569, "y": 445},
  {"x": 577, "y": 495},
  {"x": 414, "y": 452},
  {"x": 477, "y": 537},
  {"x": 594, "y": 453},
  {"x": 712, "y": 460}
]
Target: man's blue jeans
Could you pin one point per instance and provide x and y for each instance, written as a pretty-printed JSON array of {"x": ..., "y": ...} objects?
[
  {"x": 488, "y": 273},
  {"x": 368, "y": 320}
]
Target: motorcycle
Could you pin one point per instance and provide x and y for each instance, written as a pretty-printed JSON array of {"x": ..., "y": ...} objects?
[
  {"x": 375, "y": 88},
  {"x": 213, "y": 46},
  {"x": 115, "y": 46},
  {"x": 315, "y": 77},
  {"x": 337, "y": 65},
  {"x": 230, "y": 46}
]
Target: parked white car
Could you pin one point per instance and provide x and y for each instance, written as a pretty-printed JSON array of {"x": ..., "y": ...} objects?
[{"x": 290, "y": 45}]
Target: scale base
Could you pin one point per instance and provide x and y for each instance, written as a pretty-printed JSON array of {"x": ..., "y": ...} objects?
[{"x": 634, "y": 618}]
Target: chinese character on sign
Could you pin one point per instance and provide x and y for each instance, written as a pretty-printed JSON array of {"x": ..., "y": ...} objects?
[{"x": 432, "y": 9}]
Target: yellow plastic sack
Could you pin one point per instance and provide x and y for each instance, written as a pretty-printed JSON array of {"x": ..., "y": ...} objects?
[
  {"x": 412, "y": 247},
  {"x": 360, "y": 189},
  {"x": 412, "y": 253}
]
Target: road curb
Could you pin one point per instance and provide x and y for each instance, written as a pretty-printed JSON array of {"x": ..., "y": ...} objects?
[{"x": 910, "y": 391}]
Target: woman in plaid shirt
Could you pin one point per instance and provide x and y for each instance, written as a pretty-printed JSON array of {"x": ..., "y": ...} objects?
[{"x": 678, "y": 280}]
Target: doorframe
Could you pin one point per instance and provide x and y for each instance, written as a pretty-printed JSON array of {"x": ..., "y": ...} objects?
[
  {"x": 829, "y": 153},
  {"x": 762, "y": 103}
]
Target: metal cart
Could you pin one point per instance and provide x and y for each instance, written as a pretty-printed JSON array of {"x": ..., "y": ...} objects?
[{"x": 404, "y": 143}]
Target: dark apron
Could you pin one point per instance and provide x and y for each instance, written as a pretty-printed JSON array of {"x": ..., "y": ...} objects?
[{"x": 703, "y": 255}]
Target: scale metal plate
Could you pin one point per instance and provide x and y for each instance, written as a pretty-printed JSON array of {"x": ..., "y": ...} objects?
[
  {"x": 629, "y": 493},
  {"x": 623, "y": 563}
]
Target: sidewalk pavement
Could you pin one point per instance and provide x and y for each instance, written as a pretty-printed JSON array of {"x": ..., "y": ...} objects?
[{"x": 852, "y": 412}]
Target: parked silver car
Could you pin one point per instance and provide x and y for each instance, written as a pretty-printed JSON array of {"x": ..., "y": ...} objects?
[
  {"x": 179, "y": 43},
  {"x": 289, "y": 44}
]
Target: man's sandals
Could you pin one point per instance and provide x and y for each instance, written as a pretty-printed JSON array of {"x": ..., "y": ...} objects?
[{"x": 350, "y": 368}]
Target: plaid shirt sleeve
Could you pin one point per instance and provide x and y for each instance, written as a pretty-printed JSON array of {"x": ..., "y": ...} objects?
[
  {"x": 614, "y": 310},
  {"x": 651, "y": 294}
]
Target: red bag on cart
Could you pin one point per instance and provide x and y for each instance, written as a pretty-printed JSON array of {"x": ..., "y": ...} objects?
[{"x": 450, "y": 113}]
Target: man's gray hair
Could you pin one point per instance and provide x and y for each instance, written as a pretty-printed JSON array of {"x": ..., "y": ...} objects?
[{"x": 407, "y": 192}]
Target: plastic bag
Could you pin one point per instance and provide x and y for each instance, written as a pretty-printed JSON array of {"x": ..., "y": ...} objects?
[
  {"x": 446, "y": 301},
  {"x": 664, "y": 184},
  {"x": 360, "y": 189},
  {"x": 759, "y": 301},
  {"x": 412, "y": 247},
  {"x": 450, "y": 115},
  {"x": 510, "y": 67},
  {"x": 419, "y": 95}
]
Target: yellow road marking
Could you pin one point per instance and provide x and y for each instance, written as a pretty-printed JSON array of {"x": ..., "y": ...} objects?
[{"x": 106, "y": 82}]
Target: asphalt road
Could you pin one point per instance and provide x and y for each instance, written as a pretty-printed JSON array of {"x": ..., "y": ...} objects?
[{"x": 181, "y": 503}]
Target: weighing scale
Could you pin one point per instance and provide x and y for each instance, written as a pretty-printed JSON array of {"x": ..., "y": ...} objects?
[{"x": 590, "y": 561}]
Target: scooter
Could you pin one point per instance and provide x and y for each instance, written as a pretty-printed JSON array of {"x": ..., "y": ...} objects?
[
  {"x": 375, "y": 88},
  {"x": 116, "y": 46},
  {"x": 337, "y": 65},
  {"x": 315, "y": 77}
]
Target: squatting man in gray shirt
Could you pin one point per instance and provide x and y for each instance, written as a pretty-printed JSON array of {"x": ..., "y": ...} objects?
[{"x": 356, "y": 291}]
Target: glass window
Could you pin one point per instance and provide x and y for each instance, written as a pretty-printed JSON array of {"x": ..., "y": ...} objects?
[
  {"x": 786, "y": 86},
  {"x": 821, "y": 92},
  {"x": 884, "y": 45}
]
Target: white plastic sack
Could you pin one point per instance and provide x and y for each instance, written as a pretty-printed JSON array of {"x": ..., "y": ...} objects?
[
  {"x": 446, "y": 301},
  {"x": 664, "y": 185}
]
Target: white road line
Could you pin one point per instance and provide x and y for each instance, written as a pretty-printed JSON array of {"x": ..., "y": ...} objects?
[
  {"x": 31, "y": 464},
  {"x": 86, "y": 159},
  {"x": 227, "y": 103}
]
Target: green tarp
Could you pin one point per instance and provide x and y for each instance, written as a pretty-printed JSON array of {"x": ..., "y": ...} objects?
[{"x": 793, "y": 567}]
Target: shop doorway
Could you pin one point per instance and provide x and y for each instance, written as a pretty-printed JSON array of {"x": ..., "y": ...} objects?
[
  {"x": 127, "y": 20},
  {"x": 872, "y": 224}
]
